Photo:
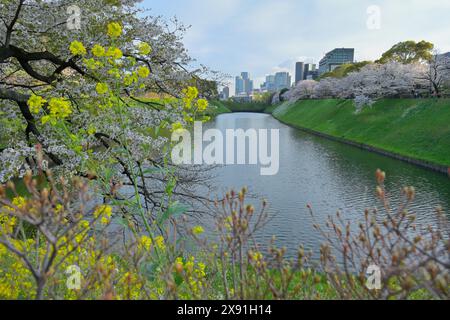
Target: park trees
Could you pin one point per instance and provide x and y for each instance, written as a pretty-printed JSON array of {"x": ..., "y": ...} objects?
[
  {"x": 73, "y": 74},
  {"x": 437, "y": 74},
  {"x": 408, "y": 52},
  {"x": 303, "y": 90}
]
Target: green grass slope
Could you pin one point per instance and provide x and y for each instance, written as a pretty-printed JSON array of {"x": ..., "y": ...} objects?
[
  {"x": 216, "y": 108},
  {"x": 417, "y": 128}
]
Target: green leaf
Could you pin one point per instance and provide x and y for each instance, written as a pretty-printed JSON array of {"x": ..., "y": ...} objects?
[{"x": 175, "y": 210}]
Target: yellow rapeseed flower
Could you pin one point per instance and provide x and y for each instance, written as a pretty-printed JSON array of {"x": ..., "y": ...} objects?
[
  {"x": 144, "y": 48},
  {"x": 98, "y": 50},
  {"x": 84, "y": 224},
  {"x": 59, "y": 108},
  {"x": 177, "y": 126},
  {"x": 145, "y": 243},
  {"x": 101, "y": 88},
  {"x": 92, "y": 64},
  {"x": 91, "y": 130},
  {"x": 114, "y": 30},
  {"x": 197, "y": 230},
  {"x": 129, "y": 79},
  {"x": 190, "y": 93},
  {"x": 160, "y": 242},
  {"x": 114, "y": 53},
  {"x": 143, "y": 72},
  {"x": 104, "y": 212},
  {"x": 202, "y": 104},
  {"x": 35, "y": 103},
  {"x": 77, "y": 48}
]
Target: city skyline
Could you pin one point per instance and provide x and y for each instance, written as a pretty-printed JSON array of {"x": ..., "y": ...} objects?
[{"x": 237, "y": 35}]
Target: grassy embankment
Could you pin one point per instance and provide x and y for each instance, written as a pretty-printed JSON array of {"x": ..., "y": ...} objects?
[{"x": 415, "y": 128}]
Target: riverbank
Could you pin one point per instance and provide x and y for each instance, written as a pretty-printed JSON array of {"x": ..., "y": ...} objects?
[
  {"x": 412, "y": 130},
  {"x": 231, "y": 106}
]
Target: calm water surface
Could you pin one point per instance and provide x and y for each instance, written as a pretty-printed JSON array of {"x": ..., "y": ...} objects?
[{"x": 328, "y": 175}]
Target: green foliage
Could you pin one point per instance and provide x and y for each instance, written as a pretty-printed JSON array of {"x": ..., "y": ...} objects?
[
  {"x": 343, "y": 70},
  {"x": 217, "y": 107},
  {"x": 265, "y": 97},
  {"x": 245, "y": 106},
  {"x": 416, "y": 128},
  {"x": 206, "y": 88},
  {"x": 408, "y": 52}
]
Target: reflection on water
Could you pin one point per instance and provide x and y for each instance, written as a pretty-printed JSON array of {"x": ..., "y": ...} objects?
[{"x": 328, "y": 175}]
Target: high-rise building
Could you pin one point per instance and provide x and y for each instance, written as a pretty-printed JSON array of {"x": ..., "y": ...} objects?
[
  {"x": 239, "y": 85},
  {"x": 305, "y": 71},
  {"x": 282, "y": 80},
  {"x": 269, "y": 84},
  {"x": 310, "y": 72},
  {"x": 225, "y": 94},
  {"x": 335, "y": 58},
  {"x": 248, "y": 83},
  {"x": 299, "y": 71},
  {"x": 244, "y": 84}
]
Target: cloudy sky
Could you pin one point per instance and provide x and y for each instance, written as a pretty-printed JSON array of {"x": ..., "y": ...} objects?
[{"x": 265, "y": 36}]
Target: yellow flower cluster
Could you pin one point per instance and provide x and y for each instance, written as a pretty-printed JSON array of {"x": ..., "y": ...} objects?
[
  {"x": 99, "y": 270},
  {"x": 114, "y": 53},
  {"x": 190, "y": 93},
  {"x": 35, "y": 103},
  {"x": 195, "y": 273},
  {"x": 92, "y": 64},
  {"x": 144, "y": 243},
  {"x": 98, "y": 50},
  {"x": 15, "y": 279},
  {"x": 8, "y": 222},
  {"x": 177, "y": 126},
  {"x": 77, "y": 48},
  {"x": 59, "y": 108},
  {"x": 144, "y": 48},
  {"x": 160, "y": 243},
  {"x": 129, "y": 79},
  {"x": 202, "y": 104},
  {"x": 197, "y": 230},
  {"x": 257, "y": 257},
  {"x": 143, "y": 72},
  {"x": 101, "y": 88},
  {"x": 114, "y": 30},
  {"x": 104, "y": 212}
]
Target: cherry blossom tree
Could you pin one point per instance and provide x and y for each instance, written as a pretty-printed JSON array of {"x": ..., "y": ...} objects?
[
  {"x": 73, "y": 75},
  {"x": 437, "y": 74},
  {"x": 303, "y": 90}
]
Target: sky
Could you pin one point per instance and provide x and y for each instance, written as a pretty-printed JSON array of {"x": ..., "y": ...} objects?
[{"x": 266, "y": 36}]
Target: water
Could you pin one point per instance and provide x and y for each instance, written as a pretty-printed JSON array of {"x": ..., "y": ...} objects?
[{"x": 329, "y": 176}]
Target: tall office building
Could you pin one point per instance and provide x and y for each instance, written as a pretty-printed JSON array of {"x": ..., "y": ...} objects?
[
  {"x": 299, "y": 72},
  {"x": 309, "y": 67},
  {"x": 335, "y": 58},
  {"x": 248, "y": 83},
  {"x": 282, "y": 80},
  {"x": 305, "y": 71},
  {"x": 244, "y": 84},
  {"x": 225, "y": 93},
  {"x": 269, "y": 84},
  {"x": 239, "y": 85}
]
